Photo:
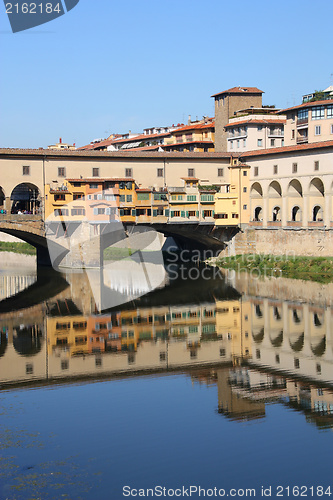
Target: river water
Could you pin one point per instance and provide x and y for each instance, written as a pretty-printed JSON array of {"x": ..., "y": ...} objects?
[{"x": 213, "y": 380}]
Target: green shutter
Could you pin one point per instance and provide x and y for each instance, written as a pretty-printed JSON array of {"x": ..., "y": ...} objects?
[
  {"x": 182, "y": 213},
  {"x": 197, "y": 212},
  {"x": 186, "y": 214},
  {"x": 166, "y": 212},
  {"x": 133, "y": 212},
  {"x": 203, "y": 214},
  {"x": 121, "y": 212},
  {"x": 154, "y": 213},
  {"x": 172, "y": 213},
  {"x": 213, "y": 213}
]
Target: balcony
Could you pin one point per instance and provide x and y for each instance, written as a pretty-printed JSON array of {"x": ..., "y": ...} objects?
[
  {"x": 302, "y": 121},
  {"x": 276, "y": 133},
  {"x": 302, "y": 139}
]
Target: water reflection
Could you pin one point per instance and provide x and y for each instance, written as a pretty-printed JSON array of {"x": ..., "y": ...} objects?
[{"x": 256, "y": 347}]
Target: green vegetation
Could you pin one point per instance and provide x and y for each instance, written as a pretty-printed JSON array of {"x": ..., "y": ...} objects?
[
  {"x": 17, "y": 247},
  {"x": 307, "y": 268},
  {"x": 113, "y": 253}
]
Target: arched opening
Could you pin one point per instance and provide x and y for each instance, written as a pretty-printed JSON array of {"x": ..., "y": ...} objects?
[
  {"x": 276, "y": 214},
  {"x": 317, "y": 187},
  {"x": 27, "y": 340},
  {"x": 3, "y": 344},
  {"x": 297, "y": 343},
  {"x": 258, "y": 214},
  {"x": 295, "y": 189},
  {"x": 320, "y": 348},
  {"x": 277, "y": 341},
  {"x": 317, "y": 214},
  {"x": 2, "y": 201},
  {"x": 25, "y": 199},
  {"x": 274, "y": 190},
  {"x": 258, "y": 336},
  {"x": 256, "y": 190},
  {"x": 296, "y": 214}
]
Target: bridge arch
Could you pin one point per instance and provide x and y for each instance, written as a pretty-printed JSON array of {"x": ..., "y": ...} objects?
[{"x": 26, "y": 198}]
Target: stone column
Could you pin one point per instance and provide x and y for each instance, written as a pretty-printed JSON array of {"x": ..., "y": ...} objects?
[
  {"x": 305, "y": 212},
  {"x": 284, "y": 215}
]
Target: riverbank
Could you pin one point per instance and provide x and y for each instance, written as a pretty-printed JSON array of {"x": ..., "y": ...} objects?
[
  {"x": 318, "y": 269},
  {"x": 17, "y": 247}
]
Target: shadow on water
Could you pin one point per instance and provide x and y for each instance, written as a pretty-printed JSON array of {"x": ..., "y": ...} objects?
[{"x": 48, "y": 284}]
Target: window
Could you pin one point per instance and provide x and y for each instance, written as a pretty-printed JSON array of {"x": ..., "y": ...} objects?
[
  {"x": 191, "y": 197},
  {"x": 29, "y": 368},
  {"x": 128, "y": 172},
  {"x": 93, "y": 186},
  {"x": 244, "y": 143},
  {"x": 160, "y": 172},
  {"x": 293, "y": 134},
  {"x": 258, "y": 355},
  {"x": 190, "y": 172},
  {"x": 316, "y": 165},
  {"x": 143, "y": 196},
  {"x": 275, "y": 169},
  {"x": 259, "y": 143},
  {"x": 296, "y": 362},
  {"x": 330, "y": 111},
  {"x": 122, "y": 198},
  {"x": 129, "y": 198},
  {"x": 318, "y": 112},
  {"x": 61, "y": 172},
  {"x": 244, "y": 189},
  {"x": 256, "y": 171},
  {"x": 259, "y": 128},
  {"x": 26, "y": 170},
  {"x": 234, "y": 216},
  {"x": 222, "y": 352},
  {"x": 277, "y": 359},
  {"x": 162, "y": 356},
  {"x": 244, "y": 173},
  {"x": 95, "y": 172},
  {"x": 302, "y": 114},
  {"x": 231, "y": 144},
  {"x": 238, "y": 143},
  {"x": 220, "y": 172},
  {"x": 78, "y": 211},
  {"x": 317, "y": 130},
  {"x": 294, "y": 168},
  {"x": 244, "y": 207},
  {"x": 59, "y": 197},
  {"x": 77, "y": 196},
  {"x": 207, "y": 197}
]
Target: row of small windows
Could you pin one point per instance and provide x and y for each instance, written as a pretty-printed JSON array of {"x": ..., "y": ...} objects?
[
  {"x": 294, "y": 168},
  {"x": 128, "y": 172}
]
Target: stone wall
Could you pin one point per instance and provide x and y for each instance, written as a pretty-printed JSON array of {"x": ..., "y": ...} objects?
[{"x": 304, "y": 242}]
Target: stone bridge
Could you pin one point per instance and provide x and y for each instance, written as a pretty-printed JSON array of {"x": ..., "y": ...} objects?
[{"x": 32, "y": 230}]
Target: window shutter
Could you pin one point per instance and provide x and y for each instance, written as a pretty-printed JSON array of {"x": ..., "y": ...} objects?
[
  {"x": 166, "y": 212},
  {"x": 172, "y": 214},
  {"x": 187, "y": 214},
  {"x": 182, "y": 213},
  {"x": 133, "y": 212},
  {"x": 197, "y": 212},
  {"x": 203, "y": 214},
  {"x": 154, "y": 213},
  {"x": 121, "y": 212}
]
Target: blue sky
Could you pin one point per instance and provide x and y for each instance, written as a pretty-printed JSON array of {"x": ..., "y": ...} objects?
[{"x": 109, "y": 66}]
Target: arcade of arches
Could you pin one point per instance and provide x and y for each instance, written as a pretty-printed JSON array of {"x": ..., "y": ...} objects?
[
  {"x": 294, "y": 204},
  {"x": 24, "y": 198}
]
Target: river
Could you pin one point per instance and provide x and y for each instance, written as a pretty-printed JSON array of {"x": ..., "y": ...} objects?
[{"x": 211, "y": 384}]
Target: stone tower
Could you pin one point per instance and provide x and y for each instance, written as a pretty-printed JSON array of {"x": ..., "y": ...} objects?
[{"x": 226, "y": 104}]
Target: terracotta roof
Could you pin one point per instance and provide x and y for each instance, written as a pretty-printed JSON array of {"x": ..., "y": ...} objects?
[
  {"x": 249, "y": 121},
  {"x": 240, "y": 90},
  {"x": 108, "y": 155},
  {"x": 195, "y": 126},
  {"x": 145, "y": 148},
  {"x": 140, "y": 137},
  {"x": 328, "y": 102},
  {"x": 186, "y": 143},
  {"x": 97, "y": 180},
  {"x": 287, "y": 149}
]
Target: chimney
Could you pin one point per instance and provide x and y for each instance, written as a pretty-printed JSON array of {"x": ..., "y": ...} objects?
[
  {"x": 60, "y": 140},
  {"x": 189, "y": 120}
]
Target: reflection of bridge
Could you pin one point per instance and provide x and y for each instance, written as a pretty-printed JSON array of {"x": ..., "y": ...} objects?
[{"x": 31, "y": 229}]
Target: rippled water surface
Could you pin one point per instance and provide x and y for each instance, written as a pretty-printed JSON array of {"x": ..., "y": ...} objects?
[{"x": 219, "y": 383}]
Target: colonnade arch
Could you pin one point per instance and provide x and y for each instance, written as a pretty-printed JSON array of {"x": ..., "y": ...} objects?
[{"x": 25, "y": 198}]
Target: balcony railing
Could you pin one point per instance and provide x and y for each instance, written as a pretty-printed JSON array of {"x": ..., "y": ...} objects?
[
  {"x": 301, "y": 139},
  {"x": 302, "y": 121}
]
